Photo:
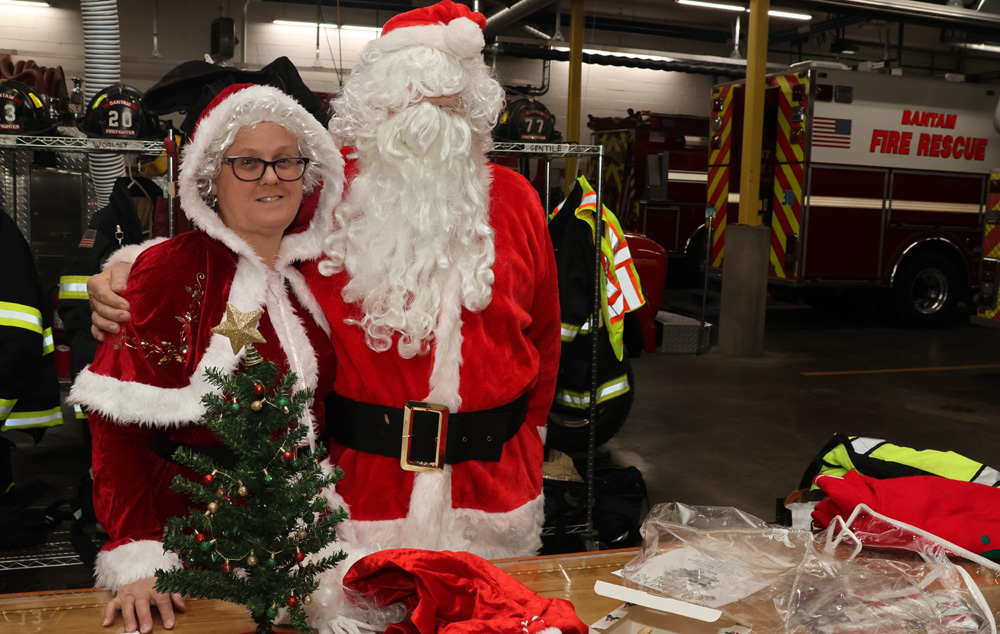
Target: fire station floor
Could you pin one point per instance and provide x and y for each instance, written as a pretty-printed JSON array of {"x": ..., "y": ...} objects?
[{"x": 714, "y": 430}]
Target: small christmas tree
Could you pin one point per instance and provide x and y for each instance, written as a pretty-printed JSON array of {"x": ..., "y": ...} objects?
[{"x": 259, "y": 521}]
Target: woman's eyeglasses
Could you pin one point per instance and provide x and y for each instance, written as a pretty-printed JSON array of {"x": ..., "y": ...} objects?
[{"x": 251, "y": 168}]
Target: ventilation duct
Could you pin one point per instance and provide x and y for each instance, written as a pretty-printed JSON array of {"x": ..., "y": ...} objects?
[{"x": 102, "y": 66}]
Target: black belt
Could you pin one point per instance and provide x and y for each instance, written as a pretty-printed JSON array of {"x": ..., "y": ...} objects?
[
  {"x": 378, "y": 430},
  {"x": 164, "y": 447}
]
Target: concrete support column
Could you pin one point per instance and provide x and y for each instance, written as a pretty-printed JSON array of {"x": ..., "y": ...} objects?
[
  {"x": 744, "y": 290},
  {"x": 748, "y": 244}
]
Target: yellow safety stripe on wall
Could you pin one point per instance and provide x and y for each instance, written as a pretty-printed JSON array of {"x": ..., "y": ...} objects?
[
  {"x": 20, "y": 316},
  {"x": 79, "y": 412},
  {"x": 581, "y": 400},
  {"x": 73, "y": 286},
  {"x": 6, "y": 405},
  {"x": 24, "y": 420}
]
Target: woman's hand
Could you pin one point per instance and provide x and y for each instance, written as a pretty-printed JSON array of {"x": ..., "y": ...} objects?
[
  {"x": 109, "y": 309},
  {"x": 135, "y": 600}
]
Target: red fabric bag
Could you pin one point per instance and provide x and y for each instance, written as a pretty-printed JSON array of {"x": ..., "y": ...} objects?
[{"x": 456, "y": 593}]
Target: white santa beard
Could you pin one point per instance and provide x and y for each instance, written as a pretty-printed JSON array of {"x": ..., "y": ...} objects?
[{"x": 417, "y": 208}]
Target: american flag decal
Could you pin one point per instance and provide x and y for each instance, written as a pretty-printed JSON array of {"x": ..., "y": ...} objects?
[
  {"x": 87, "y": 241},
  {"x": 830, "y": 132}
]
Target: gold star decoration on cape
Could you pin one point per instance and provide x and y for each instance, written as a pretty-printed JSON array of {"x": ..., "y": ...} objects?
[{"x": 240, "y": 327}]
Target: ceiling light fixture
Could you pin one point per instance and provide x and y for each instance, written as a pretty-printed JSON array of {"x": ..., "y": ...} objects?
[
  {"x": 774, "y": 13},
  {"x": 591, "y": 51},
  {"x": 789, "y": 15},
  {"x": 712, "y": 5},
  {"x": 989, "y": 48},
  {"x": 25, "y": 3},
  {"x": 324, "y": 25}
]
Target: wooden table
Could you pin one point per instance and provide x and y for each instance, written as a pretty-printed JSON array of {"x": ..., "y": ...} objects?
[{"x": 568, "y": 577}]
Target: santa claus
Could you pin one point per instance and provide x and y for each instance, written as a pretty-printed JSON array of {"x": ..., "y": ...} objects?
[{"x": 439, "y": 286}]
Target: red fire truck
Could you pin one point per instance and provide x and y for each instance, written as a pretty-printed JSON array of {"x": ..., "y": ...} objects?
[
  {"x": 867, "y": 179},
  {"x": 656, "y": 171}
]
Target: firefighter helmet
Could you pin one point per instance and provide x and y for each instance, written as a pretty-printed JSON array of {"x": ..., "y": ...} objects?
[
  {"x": 527, "y": 120},
  {"x": 117, "y": 112},
  {"x": 22, "y": 110}
]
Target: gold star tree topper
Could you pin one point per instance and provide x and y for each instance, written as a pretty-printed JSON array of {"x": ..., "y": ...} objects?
[{"x": 240, "y": 327}]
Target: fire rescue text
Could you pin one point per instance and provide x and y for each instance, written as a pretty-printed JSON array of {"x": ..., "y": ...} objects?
[{"x": 932, "y": 145}]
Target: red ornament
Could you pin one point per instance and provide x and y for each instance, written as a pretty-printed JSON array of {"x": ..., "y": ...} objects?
[
  {"x": 292, "y": 602},
  {"x": 226, "y": 568},
  {"x": 258, "y": 389},
  {"x": 299, "y": 556},
  {"x": 209, "y": 478},
  {"x": 199, "y": 537},
  {"x": 288, "y": 455}
]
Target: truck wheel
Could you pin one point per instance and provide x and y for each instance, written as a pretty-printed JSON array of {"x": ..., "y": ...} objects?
[{"x": 926, "y": 291}]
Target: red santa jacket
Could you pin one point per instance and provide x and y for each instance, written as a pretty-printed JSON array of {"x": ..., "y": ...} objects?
[{"x": 511, "y": 348}]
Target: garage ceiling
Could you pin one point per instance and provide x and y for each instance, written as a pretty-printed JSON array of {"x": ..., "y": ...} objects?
[{"x": 665, "y": 25}]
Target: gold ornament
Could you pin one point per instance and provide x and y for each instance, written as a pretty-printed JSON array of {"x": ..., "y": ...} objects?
[
  {"x": 243, "y": 491},
  {"x": 306, "y": 600},
  {"x": 240, "y": 327},
  {"x": 252, "y": 560},
  {"x": 212, "y": 507},
  {"x": 301, "y": 534},
  {"x": 257, "y": 406}
]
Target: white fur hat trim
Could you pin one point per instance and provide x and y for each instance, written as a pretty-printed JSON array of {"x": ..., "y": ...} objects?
[{"x": 461, "y": 37}]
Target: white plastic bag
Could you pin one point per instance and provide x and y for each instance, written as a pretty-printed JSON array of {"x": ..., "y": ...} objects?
[{"x": 780, "y": 580}]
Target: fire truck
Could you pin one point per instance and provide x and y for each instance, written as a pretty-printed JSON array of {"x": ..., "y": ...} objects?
[
  {"x": 655, "y": 175},
  {"x": 867, "y": 179}
]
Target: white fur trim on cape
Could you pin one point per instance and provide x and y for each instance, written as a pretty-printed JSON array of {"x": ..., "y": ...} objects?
[
  {"x": 299, "y": 246},
  {"x": 130, "y": 402},
  {"x": 461, "y": 37},
  {"x": 516, "y": 533},
  {"x": 131, "y": 562},
  {"x": 129, "y": 253}
]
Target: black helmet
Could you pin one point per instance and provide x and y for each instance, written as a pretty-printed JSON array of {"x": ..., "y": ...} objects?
[
  {"x": 116, "y": 112},
  {"x": 526, "y": 120},
  {"x": 22, "y": 110}
]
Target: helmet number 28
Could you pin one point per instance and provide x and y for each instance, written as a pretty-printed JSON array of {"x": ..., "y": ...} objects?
[
  {"x": 9, "y": 112},
  {"x": 121, "y": 119}
]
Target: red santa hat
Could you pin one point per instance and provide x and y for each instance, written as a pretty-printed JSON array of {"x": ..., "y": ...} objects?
[
  {"x": 243, "y": 105},
  {"x": 456, "y": 593},
  {"x": 446, "y": 26}
]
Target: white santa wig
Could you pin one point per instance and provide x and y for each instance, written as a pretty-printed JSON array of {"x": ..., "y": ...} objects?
[
  {"x": 429, "y": 52},
  {"x": 398, "y": 276}
]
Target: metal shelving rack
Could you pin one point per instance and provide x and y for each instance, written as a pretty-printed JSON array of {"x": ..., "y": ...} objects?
[
  {"x": 17, "y": 153},
  {"x": 547, "y": 152}
]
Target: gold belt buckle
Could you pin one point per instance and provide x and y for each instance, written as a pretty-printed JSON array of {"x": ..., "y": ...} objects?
[{"x": 408, "y": 463}]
